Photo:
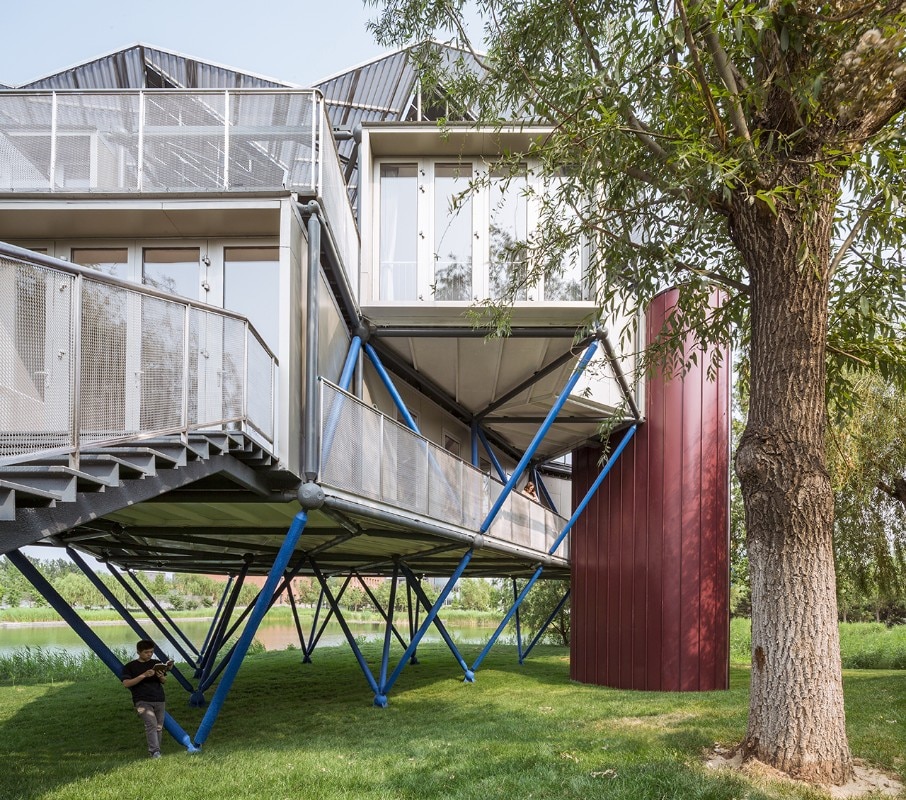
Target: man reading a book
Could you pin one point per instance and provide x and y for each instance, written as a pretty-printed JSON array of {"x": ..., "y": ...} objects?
[{"x": 145, "y": 677}]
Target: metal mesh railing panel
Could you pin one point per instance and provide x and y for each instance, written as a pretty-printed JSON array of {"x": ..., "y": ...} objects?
[
  {"x": 408, "y": 472},
  {"x": 350, "y": 442},
  {"x": 209, "y": 373},
  {"x": 161, "y": 376},
  {"x": 110, "y": 377},
  {"x": 404, "y": 468},
  {"x": 233, "y": 369},
  {"x": 260, "y": 387},
  {"x": 270, "y": 140},
  {"x": 336, "y": 204},
  {"x": 184, "y": 142},
  {"x": 445, "y": 485},
  {"x": 97, "y": 142},
  {"x": 36, "y": 357},
  {"x": 131, "y": 364},
  {"x": 25, "y": 141}
]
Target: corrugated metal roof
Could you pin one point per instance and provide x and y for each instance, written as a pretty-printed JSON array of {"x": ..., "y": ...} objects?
[{"x": 144, "y": 67}]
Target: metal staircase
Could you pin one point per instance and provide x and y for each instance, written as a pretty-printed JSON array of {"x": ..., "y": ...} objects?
[{"x": 47, "y": 496}]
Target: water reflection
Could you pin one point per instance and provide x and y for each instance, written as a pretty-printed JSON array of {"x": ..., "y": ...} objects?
[{"x": 273, "y": 634}]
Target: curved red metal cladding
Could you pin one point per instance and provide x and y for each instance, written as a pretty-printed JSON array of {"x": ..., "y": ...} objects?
[{"x": 650, "y": 574}]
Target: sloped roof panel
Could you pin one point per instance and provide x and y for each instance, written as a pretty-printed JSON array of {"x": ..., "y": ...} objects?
[{"x": 132, "y": 67}]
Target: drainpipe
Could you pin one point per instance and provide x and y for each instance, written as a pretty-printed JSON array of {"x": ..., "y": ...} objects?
[{"x": 310, "y": 432}]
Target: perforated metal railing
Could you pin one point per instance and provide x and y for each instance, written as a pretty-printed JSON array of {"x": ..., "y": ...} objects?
[
  {"x": 176, "y": 141},
  {"x": 368, "y": 454},
  {"x": 87, "y": 360}
]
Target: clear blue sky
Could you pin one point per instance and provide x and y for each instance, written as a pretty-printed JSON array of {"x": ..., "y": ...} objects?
[{"x": 299, "y": 41}]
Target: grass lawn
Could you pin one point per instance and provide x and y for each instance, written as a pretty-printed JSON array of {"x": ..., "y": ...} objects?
[{"x": 309, "y": 731}]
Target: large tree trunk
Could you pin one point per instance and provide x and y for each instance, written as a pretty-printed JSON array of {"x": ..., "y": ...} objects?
[{"x": 796, "y": 717}]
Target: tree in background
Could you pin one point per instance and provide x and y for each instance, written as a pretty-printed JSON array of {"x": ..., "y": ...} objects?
[
  {"x": 867, "y": 460},
  {"x": 538, "y": 605},
  {"x": 752, "y": 147}
]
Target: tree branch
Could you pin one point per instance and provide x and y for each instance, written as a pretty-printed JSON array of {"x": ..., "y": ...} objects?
[
  {"x": 851, "y": 237},
  {"x": 727, "y": 74},
  {"x": 700, "y": 75}
]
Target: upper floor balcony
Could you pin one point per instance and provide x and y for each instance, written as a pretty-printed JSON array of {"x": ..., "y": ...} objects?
[{"x": 174, "y": 143}]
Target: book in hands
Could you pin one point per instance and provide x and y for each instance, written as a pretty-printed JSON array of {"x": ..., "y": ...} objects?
[{"x": 162, "y": 668}]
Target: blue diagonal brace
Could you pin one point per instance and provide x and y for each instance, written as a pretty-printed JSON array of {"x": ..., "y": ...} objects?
[
  {"x": 342, "y": 621},
  {"x": 507, "y": 617},
  {"x": 160, "y": 610},
  {"x": 352, "y": 357},
  {"x": 594, "y": 488},
  {"x": 441, "y": 628},
  {"x": 385, "y": 653},
  {"x": 141, "y": 604},
  {"x": 215, "y": 621},
  {"x": 306, "y": 656},
  {"x": 375, "y": 360},
  {"x": 117, "y": 606},
  {"x": 381, "y": 698},
  {"x": 388, "y": 618},
  {"x": 248, "y": 634},
  {"x": 316, "y": 637},
  {"x": 296, "y": 620},
  {"x": 544, "y": 627},
  {"x": 18, "y": 559},
  {"x": 219, "y": 636},
  {"x": 539, "y": 436},
  {"x": 215, "y": 673},
  {"x": 501, "y": 473}
]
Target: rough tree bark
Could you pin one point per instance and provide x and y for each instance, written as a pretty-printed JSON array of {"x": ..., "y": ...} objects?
[{"x": 796, "y": 716}]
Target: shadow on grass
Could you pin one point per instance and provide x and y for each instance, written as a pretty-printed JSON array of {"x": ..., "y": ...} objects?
[{"x": 291, "y": 730}]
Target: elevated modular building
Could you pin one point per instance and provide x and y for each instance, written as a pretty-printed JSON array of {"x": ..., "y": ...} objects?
[{"x": 226, "y": 299}]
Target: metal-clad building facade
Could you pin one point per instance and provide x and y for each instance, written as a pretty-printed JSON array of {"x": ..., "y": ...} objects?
[{"x": 650, "y": 576}]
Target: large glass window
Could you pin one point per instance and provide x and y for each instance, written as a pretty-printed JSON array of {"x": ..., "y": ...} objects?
[
  {"x": 112, "y": 260},
  {"x": 452, "y": 232},
  {"x": 508, "y": 231},
  {"x": 399, "y": 232},
  {"x": 175, "y": 270},
  {"x": 251, "y": 287}
]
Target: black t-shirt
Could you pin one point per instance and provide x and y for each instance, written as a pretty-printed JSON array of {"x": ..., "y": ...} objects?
[{"x": 151, "y": 689}]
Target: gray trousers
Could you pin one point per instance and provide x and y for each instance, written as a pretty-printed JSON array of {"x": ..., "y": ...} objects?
[{"x": 152, "y": 715}]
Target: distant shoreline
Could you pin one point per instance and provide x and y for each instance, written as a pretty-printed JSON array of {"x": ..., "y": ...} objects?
[{"x": 63, "y": 624}]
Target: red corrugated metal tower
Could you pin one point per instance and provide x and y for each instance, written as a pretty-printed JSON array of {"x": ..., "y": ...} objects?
[{"x": 650, "y": 576}]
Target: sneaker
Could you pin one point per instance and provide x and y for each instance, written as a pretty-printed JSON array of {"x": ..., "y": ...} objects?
[{"x": 155, "y": 755}]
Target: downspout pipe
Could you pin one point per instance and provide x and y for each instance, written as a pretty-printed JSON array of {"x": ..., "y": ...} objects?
[{"x": 311, "y": 445}]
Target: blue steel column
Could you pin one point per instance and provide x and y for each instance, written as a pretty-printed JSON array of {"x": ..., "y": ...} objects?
[
  {"x": 162, "y": 612},
  {"x": 216, "y": 618},
  {"x": 385, "y": 653},
  {"x": 474, "y": 439},
  {"x": 545, "y": 626},
  {"x": 342, "y": 621},
  {"x": 391, "y": 388},
  {"x": 87, "y": 635},
  {"x": 381, "y": 699},
  {"x": 111, "y": 598},
  {"x": 352, "y": 358},
  {"x": 553, "y": 548},
  {"x": 245, "y": 640},
  {"x": 518, "y": 623},
  {"x": 176, "y": 645},
  {"x": 539, "y": 436}
]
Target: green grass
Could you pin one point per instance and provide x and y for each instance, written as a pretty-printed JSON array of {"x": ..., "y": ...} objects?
[
  {"x": 863, "y": 645},
  {"x": 290, "y": 730}
]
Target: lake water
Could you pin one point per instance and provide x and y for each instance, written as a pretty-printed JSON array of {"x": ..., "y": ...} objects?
[{"x": 273, "y": 634}]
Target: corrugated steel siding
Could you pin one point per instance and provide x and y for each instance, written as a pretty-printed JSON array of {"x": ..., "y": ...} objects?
[{"x": 650, "y": 554}]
